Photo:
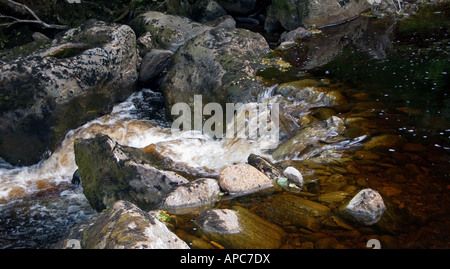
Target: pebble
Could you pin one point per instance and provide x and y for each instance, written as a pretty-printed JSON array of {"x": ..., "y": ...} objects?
[{"x": 294, "y": 176}]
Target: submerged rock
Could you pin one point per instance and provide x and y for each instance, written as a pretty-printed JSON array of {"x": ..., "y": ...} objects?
[
  {"x": 112, "y": 172},
  {"x": 239, "y": 228},
  {"x": 298, "y": 211},
  {"x": 366, "y": 207},
  {"x": 243, "y": 178},
  {"x": 122, "y": 226},
  {"x": 62, "y": 85},
  {"x": 385, "y": 142}
]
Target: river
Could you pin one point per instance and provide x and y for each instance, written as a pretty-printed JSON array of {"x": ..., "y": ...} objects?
[{"x": 395, "y": 81}]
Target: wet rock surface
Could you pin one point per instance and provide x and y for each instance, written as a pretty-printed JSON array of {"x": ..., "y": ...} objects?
[
  {"x": 340, "y": 137},
  {"x": 111, "y": 172},
  {"x": 243, "y": 178},
  {"x": 199, "y": 193},
  {"x": 76, "y": 78},
  {"x": 367, "y": 207},
  {"x": 292, "y": 14},
  {"x": 122, "y": 226},
  {"x": 219, "y": 64},
  {"x": 239, "y": 228}
]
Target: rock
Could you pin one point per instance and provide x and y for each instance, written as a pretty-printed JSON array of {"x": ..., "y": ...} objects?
[
  {"x": 243, "y": 178},
  {"x": 295, "y": 146},
  {"x": 298, "y": 211},
  {"x": 291, "y": 14},
  {"x": 211, "y": 11},
  {"x": 294, "y": 35},
  {"x": 287, "y": 123},
  {"x": 385, "y": 142},
  {"x": 264, "y": 166},
  {"x": 112, "y": 172},
  {"x": 240, "y": 7},
  {"x": 76, "y": 78},
  {"x": 239, "y": 228},
  {"x": 335, "y": 125},
  {"x": 198, "y": 193},
  {"x": 218, "y": 64},
  {"x": 223, "y": 22},
  {"x": 144, "y": 44},
  {"x": 336, "y": 197},
  {"x": 153, "y": 64},
  {"x": 122, "y": 226},
  {"x": 366, "y": 207},
  {"x": 168, "y": 32},
  {"x": 294, "y": 176},
  {"x": 76, "y": 179}
]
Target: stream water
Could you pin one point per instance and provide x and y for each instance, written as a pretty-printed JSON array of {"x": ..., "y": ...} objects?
[{"x": 394, "y": 77}]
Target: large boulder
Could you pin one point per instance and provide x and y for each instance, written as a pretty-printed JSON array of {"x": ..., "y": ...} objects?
[
  {"x": 168, "y": 32},
  {"x": 62, "y": 85},
  {"x": 122, "y": 226},
  {"x": 219, "y": 64},
  {"x": 291, "y": 14},
  {"x": 111, "y": 172}
]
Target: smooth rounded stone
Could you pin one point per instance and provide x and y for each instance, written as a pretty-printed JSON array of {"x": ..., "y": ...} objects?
[
  {"x": 324, "y": 113},
  {"x": 294, "y": 176},
  {"x": 385, "y": 142},
  {"x": 298, "y": 211},
  {"x": 366, "y": 207},
  {"x": 333, "y": 197},
  {"x": 198, "y": 193},
  {"x": 243, "y": 178},
  {"x": 122, "y": 226},
  {"x": 238, "y": 228},
  {"x": 334, "y": 98}
]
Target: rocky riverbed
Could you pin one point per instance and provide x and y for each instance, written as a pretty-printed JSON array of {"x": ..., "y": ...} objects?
[{"x": 348, "y": 167}]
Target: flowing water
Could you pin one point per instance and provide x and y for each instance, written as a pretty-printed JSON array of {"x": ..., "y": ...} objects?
[{"x": 395, "y": 81}]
